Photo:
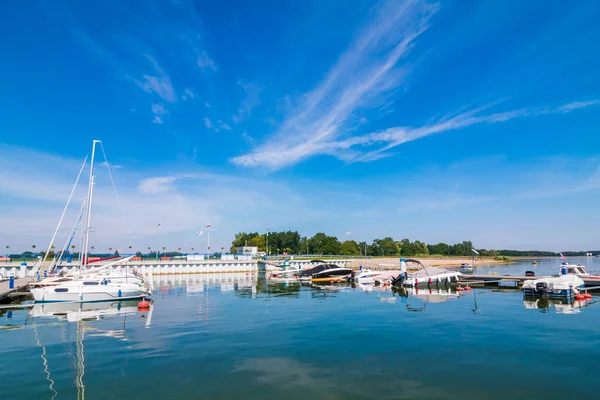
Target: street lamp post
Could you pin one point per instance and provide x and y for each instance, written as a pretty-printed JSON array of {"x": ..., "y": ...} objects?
[
  {"x": 157, "y": 225},
  {"x": 268, "y": 229}
]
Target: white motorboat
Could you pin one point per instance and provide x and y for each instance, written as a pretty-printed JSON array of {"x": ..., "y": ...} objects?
[
  {"x": 283, "y": 272},
  {"x": 365, "y": 275},
  {"x": 554, "y": 286},
  {"x": 425, "y": 276},
  {"x": 466, "y": 268},
  {"x": 89, "y": 284},
  {"x": 580, "y": 271}
]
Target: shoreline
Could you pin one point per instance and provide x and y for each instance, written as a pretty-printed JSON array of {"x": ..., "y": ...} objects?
[{"x": 443, "y": 262}]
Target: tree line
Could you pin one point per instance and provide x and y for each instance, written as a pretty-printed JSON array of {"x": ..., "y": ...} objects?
[{"x": 292, "y": 242}]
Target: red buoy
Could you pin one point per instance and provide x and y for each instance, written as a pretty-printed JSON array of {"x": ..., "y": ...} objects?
[
  {"x": 467, "y": 288},
  {"x": 459, "y": 289},
  {"x": 579, "y": 297},
  {"x": 587, "y": 296},
  {"x": 143, "y": 305}
]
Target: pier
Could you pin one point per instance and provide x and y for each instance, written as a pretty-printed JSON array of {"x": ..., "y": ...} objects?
[
  {"x": 6, "y": 291},
  {"x": 515, "y": 280}
]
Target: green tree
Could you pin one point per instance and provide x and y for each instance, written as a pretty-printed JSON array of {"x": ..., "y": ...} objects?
[
  {"x": 362, "y": 248},
  {"x": 303, "y": 246},
  {"x": 387, "y": 246},
  {"x": 349, "y": 248},
  {"x": 258, "y": 241},
  {"x": 320, "y": 243}
]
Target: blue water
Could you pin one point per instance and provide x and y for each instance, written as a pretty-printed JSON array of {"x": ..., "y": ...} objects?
[{"x": 235, "y": 336}]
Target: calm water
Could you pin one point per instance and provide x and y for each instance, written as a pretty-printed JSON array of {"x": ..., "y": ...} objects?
[{"x": 235, "y": 337}]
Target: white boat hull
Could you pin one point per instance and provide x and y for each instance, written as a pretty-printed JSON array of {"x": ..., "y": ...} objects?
[{"x": 81, "y": 293}]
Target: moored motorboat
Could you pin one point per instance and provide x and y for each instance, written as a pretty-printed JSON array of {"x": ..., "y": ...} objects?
[
  {"x": 580, "y": 271},
  {"x": 325, "y": 273},
  {"x": 554, "y": 286},
  {"x": 364, "y": 275},
  {"x": 283, "y": 272},
  {"x": 425, "y": 276},
  {"x": 466, "y": 268}
]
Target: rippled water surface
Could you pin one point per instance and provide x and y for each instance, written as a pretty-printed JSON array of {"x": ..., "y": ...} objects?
[{"x": 235, "y": 336}]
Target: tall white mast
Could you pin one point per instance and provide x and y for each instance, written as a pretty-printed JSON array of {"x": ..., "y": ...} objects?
[{"x": 88, "y": 217}]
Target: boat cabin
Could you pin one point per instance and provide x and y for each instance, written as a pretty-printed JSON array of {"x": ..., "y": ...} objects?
[{"x": 575, "y": 269}]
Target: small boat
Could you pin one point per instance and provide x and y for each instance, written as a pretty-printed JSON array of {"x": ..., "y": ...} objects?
[
  {"x": 325, "y": 273},
  {"x": 466, "y": 268},
  {"x": 425, "y": 276},
  {"x": 283, "y": 272},
  {"x": 534, "y": 262},
  {"x": 580, "y": 271},
  {"x": 554, "y": 286},
  {"x": 364, "y": 275}
]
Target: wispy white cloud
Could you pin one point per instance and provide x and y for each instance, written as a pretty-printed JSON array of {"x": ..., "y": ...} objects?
[
  {"x": 250, "y": 101},
  {"x": 366, "y": 71},
  {"x": 393, "y": 137},
  {"x": 189, "y": 93},
  {"x": 205, "y": 62},
  {"x": 159, "y": 112},
  {"x": 577, "y": 105},
  {"x": 206, "y": 104},
  {"x": 218, "y": 126},
  {"x": 160, "y": 184},
  {"x": 224, "y": 126},
  {"x": 158, "y": 82}
]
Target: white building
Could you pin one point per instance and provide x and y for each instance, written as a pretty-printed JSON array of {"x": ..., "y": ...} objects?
[{"x": 247, "y": 250}]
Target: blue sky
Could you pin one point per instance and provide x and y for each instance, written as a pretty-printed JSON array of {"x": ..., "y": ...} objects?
[{"x": 437, "y": 121}]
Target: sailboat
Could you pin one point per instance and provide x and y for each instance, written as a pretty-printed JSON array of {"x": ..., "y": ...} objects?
[{"x": 93, "y": 284}]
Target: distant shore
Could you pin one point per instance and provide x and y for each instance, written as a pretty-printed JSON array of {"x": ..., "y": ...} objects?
[{"x": 446, "y": 262}]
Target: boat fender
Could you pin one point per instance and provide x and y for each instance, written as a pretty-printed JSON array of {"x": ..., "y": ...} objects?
[
  {"x": 587, "y": 296},
  {"x": 459, "y": 289},
  {"x": 119, "y": 293},
  {"x": 143, "y": 305},
  {"x": 430, "y": 281},
  {"x": 579, "y": 297},
  {"x": 416, "y": 282},
  {"x": 467, "y": 288}
]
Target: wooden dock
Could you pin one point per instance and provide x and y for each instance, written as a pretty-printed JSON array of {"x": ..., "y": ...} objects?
[
  {"x": 20, "y": 284},
  {"x": 506, "y": 280}
]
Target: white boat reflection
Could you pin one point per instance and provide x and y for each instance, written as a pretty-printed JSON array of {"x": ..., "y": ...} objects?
[
  {"x": 433, "y": 295},
  {"x": 560, "y": 306},
  {"x": 74, "y": 312}
]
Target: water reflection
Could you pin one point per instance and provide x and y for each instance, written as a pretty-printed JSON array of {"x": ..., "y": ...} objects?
[{"x": 558, "y": 305}]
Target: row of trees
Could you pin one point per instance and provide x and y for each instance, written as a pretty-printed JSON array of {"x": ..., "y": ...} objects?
[{"x": 291, "y": 242}]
